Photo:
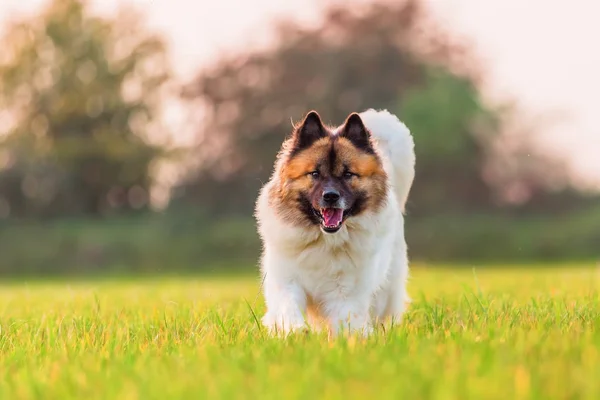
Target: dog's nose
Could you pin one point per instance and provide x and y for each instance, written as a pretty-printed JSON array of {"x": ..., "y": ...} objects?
[{"x": 331, "y": 196}]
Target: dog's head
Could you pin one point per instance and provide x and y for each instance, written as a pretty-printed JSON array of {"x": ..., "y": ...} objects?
[{"x": 328, "y": 176}]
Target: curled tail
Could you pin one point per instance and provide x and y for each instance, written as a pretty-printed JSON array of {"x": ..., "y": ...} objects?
[{"x": 396, "y": 145}]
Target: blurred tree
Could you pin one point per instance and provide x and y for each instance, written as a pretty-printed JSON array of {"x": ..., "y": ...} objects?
[
  {"x": 379, "y": 57},
  {"x": 453, "y": 133},
  {"x": 77, "y": 94},
  {"x": 386, "y": 55}
]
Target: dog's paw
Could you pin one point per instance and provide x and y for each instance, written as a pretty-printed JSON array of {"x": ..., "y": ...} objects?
[
  {"x": 352, "y": 330},
  {"x": 365, "y": 331},
  {"x": 283, "y": 324}
]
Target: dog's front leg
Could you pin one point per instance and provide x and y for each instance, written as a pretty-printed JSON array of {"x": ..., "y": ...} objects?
[
  {"x": 349, "y": 315},
  {"x": 286, "y": 303}
]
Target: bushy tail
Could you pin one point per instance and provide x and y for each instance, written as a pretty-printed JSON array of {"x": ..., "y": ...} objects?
[{"x": 394, "y": 141}]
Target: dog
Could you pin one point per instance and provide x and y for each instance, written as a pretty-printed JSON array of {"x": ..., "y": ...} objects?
[{"x": 331, "y": 221}]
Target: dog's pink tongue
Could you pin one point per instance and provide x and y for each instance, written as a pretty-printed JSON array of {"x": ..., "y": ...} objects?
[{"x": 332, "y": 216}]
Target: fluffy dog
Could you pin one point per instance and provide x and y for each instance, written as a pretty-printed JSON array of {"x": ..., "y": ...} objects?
[{"x": 332, "y": 225}]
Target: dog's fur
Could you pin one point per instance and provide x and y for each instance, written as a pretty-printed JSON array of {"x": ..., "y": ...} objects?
[{"x": 348, "y": 269}]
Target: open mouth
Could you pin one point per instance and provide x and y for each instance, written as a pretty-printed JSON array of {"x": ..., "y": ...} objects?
[{"x": 331, "y": 219}]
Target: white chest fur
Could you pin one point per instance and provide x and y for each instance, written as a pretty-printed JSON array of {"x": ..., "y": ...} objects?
[{"x": 339, "y": 274}]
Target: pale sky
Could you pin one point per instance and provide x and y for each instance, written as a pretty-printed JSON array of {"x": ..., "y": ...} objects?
[{"x": 543, "y": 53}]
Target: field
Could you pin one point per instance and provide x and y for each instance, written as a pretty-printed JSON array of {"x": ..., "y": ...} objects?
[{"x": 470, "y": 333}]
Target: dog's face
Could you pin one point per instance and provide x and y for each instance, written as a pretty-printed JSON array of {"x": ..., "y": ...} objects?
[{"x": 326, "y": 177}]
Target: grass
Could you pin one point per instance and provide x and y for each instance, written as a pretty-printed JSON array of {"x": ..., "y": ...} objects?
[{"x": 498, "y": 334}]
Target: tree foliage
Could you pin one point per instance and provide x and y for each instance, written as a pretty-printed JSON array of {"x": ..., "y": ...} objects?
[
  {"x": 388, "y": 55},
  {"x": 78, "y": 93}
]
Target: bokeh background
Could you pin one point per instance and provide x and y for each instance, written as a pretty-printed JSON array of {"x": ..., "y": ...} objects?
[{"x": 134, "y": 135}]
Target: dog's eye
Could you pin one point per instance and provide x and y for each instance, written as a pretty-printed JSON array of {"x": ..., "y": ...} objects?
[
  {"x": 314, "y": 174},
  {"x": 348, "y": 175}
]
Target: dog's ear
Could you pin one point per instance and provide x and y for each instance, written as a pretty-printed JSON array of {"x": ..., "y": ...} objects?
[
  {"x": 355, "y": 131},
  {"x": 309, "y": 131}
]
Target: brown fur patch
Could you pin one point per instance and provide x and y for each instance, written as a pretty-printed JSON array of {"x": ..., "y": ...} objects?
[{"x": 306, "y": 161}]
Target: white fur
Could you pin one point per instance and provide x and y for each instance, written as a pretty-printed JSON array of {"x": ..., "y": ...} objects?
[{"x": 355, "y": 276}]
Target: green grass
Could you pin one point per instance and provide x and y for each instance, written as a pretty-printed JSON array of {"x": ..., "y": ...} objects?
[{"x": 516, "y": 333}]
